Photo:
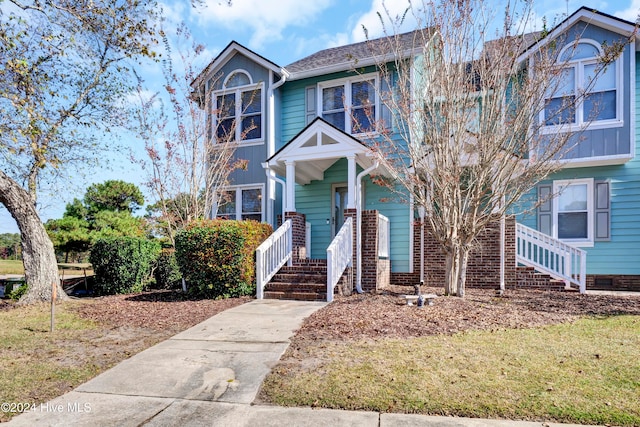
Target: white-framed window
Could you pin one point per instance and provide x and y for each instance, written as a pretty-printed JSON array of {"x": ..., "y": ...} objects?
[
  {"x": 350, "y": 104},
  {"x": 588, "y": 92},
  {"x": 241, "y": 203},
  {"x": 238, "y": 110},
  {"x": 573, "y": 211}
]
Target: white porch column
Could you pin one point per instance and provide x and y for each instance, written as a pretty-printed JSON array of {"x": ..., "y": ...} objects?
[
  {"x": 290, "y": 187},
  {"x": 351, "y": 182}
]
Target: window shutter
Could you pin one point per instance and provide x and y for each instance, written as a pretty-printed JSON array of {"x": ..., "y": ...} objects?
[
  {"x": 310, "y": 104},
  {"x": 602, "y": 211},
  {"x": 545, "y": 209},
  {"x": 385, "y": 98}
]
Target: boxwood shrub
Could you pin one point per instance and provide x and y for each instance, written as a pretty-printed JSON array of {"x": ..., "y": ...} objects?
[
  {"x": 123, "y": 265},
  {"x": 216, "y": 257}
]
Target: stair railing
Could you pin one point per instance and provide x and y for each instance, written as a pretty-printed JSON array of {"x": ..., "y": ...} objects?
[
  {"x": 551, "y": 256},
  {"x": 339, "y": 256},
  {"x": 272, "y": 254}
]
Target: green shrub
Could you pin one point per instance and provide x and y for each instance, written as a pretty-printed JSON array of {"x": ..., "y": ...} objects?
[
  {"x": 167, "y": 272},
  {"x": 216, "y": 257},
  {"x": 17, "y": 291},
  {"x": 123, "y": 265}
]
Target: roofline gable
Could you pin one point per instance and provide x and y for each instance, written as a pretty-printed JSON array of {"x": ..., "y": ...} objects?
[
  {"x": 227, "y": 53},
  {"x": 317, "y": 124},
  {"x": 591, "y": 17}
]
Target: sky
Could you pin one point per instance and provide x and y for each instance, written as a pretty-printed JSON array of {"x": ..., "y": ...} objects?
[{"x": 282, "y": 31}]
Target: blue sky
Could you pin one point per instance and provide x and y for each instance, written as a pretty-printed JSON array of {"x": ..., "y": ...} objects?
[{"x": 283, "y": 31}]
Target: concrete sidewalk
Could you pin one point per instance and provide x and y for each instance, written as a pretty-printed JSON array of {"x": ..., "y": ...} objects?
[{"x": 209, "y": 375}]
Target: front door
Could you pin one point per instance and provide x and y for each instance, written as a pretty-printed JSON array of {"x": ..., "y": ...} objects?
[{"x": 338, "y": 204}]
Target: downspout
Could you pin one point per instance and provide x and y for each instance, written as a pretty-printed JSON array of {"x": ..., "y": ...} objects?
[
  {"x": 359, "y": 224},
  {"x": 271, "y": 147}
]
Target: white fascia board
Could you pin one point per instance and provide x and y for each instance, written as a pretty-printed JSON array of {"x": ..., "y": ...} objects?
[{"x": 591, "y": 18}]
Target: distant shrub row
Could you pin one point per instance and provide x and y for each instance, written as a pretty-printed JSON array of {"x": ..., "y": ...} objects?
[{"x": 215, "y": 257}]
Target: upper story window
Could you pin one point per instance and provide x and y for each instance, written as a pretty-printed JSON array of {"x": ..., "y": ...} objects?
[
  {"x": 351, "y": 105},
  {"x": 239, "y": 110},
  {"x": 588, "y": 92}
]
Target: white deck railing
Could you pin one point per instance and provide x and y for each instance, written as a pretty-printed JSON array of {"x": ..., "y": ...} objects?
[
  {"x": 272, "y": 254},
  {"x": 339, "y": 256},
  {"x": 383, "y": 236},
  {"x": 552, "y": 256}
]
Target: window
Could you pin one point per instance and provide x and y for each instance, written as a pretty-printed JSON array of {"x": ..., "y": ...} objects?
[
  {"x": 587, "y": 93},
  {"x": 241, "y": 203},
  {"x": 238, "y": 109},
  {"x": 350, "y": 105},
  {"x": 573, "y": 210}
]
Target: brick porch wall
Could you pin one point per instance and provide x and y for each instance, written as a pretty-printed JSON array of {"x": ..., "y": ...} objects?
[
  {"x": 483, "y": 269},
  {"x": 299, "y": 231},
  {"x": 375, "y": 272}
]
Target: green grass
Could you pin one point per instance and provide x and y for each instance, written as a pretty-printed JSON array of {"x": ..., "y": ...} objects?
[
  {"x": 9, "y": 266},
  {"x": 36, "y": 364},
  {"x": 583, "y": 372}
]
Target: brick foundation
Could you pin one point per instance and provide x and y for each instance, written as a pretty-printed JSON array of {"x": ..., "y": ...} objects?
[
  {"x": 483, "y": 269},
  {"x": 613, "y": 282}
]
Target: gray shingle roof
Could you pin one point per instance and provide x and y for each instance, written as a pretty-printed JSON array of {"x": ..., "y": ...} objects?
[{"x": 362, "y": 53}]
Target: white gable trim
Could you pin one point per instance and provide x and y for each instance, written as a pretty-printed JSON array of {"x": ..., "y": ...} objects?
[
  {"x": 588, "y": 16},
  {"x": 315, "y": 149}
]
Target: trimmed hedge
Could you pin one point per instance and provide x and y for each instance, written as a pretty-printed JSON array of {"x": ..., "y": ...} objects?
[
  {"x": 167, "y": 272},
  {"x": 216, "y": 257},
  {"x": 123, "y": 265}
]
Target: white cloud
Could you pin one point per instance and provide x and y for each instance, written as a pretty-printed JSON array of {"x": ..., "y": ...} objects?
[
  {"x": 391, "y": 12},
  {"x": 631, "y": 13},
  {"x": 266, "y": 19}
]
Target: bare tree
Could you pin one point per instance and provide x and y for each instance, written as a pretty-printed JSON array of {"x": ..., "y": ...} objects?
[
  {"x": 466, "y": 142},
  {"x": 190, "y": 152},
  {"x": 63, "y": 67}
]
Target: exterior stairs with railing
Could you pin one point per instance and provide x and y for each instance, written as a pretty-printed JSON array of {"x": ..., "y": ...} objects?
[
  {"x": 544, "y": 262},
  {"x": 530, "y": 278},
  {"x": 305, "y": 281}
]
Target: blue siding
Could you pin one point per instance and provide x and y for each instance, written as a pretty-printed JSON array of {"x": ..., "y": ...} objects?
[
  {"x": 612, "y": 141},
  {"x": 254, "y": 154}
]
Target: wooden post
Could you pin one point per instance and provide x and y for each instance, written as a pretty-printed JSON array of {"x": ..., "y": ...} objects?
[{"x": 54, "y": 289}]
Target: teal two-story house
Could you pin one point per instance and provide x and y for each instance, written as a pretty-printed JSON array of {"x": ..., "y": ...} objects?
[{"x": 309, "y": 173}]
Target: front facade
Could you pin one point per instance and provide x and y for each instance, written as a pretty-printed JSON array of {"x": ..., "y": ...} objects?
[{"x": 301, "y": 130}]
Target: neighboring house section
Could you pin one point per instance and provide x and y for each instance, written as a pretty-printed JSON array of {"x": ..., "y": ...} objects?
[
  {"x": 594, "y": 201},
  {"x": 305, "y": 128}
]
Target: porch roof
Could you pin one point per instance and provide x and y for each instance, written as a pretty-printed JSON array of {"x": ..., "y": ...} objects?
[{"x": 318, "y": 146}]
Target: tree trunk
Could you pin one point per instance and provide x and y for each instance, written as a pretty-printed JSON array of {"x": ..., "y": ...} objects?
[
  {"x": 451, "y": 271},
  {"x": 38, "y": 256},
  {"x": 463, "y": 260}
]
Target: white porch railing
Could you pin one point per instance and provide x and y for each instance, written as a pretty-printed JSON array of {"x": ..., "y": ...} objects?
[
  {"x": 272, "y": 254},
  {"x": 383, "y": 236},
  {"x": 339, "y": 256},
  {"x": 552, "y": 256}
]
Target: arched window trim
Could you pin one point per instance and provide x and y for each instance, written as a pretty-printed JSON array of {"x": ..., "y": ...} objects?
[
  {"x": 225, "y": 84},
  {"x": 582, "y": 123},
  {"x": 238, "y": 114},
  {"x": 574, "y": 45}
]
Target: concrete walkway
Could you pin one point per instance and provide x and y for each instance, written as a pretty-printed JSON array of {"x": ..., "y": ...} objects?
[{"x": 209, "y": 375}]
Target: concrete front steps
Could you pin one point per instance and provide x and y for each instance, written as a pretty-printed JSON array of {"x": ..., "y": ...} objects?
[{"x": 306, "y": 281}]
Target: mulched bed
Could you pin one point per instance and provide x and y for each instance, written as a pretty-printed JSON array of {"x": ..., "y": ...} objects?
[
  {"x": 386, "y": 315},
  {"x": 157, "y": 310}
]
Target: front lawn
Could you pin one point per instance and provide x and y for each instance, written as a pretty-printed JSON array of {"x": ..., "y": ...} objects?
[{"x": 530, "y": 355}]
